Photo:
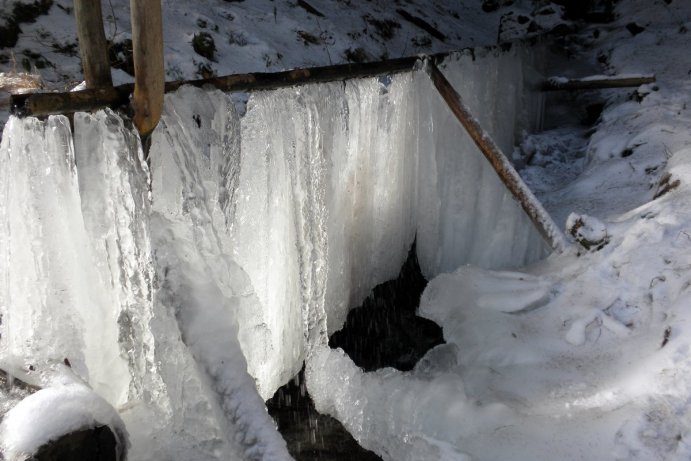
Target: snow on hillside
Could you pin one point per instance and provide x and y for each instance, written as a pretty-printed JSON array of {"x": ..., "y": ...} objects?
[{"x": 222, "y": 37}]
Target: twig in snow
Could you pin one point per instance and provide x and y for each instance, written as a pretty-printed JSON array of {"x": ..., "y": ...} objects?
[
  {"x": 323, "y": 36},
  {"x": 309, "y": 8},
  {"x": 665, "y": 338},
  {"x": 115, "y": 22},
  {"x": 659, "y": 278}
]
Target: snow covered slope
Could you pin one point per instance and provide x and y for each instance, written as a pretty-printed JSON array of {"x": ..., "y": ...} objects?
[
  {"x": 584, "y": 355},
  {"x": 256, "y": 35}
]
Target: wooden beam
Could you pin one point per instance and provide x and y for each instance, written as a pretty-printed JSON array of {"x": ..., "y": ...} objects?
[
  {"x": 506, "y": 172},
  {"x": 596, "y": 82},
  {"x": 40, "y": 104},
  {"x": 149, "y": 77},
  {"x": 93, "y": 47}
]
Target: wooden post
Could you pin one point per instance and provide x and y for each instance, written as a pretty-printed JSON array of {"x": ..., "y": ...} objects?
[
  {"x": 93, "y": 47},
  {"x": 596, "y": 82},
  {"x": 149, "y": 78},
  {"x": 507, "y": 173}
]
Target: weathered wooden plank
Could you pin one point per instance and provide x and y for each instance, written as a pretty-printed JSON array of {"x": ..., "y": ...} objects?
[
  {"x": 147, "y": 50},
  {"x": 506, "y": 172},
  {"x": 596, "y": 82},
  {"x": 39, "y": 104},
  {"x": 93, "y": 48}
]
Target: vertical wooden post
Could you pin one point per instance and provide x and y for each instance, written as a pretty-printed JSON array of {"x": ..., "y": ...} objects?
[
  {"x": 149, "y": 79},
  {"x": 93, "y": 47}
]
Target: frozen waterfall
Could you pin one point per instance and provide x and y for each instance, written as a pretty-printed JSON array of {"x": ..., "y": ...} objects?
[{"x": 186, "y": 288}]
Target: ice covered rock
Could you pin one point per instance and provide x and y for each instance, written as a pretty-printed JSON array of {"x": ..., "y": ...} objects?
[
  {"x": 65, "y": 420},
  {"x": 589, "y": 232}
]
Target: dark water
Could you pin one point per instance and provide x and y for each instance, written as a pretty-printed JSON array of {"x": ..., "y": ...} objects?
[
  {"x": 312, "y": 436},
  {"x": 383, "y": 332}
]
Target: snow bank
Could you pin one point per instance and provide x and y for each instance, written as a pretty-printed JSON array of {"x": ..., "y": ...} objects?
[
  {"x": 575, "y": 357},
  {"x": 67, "y": 405}
]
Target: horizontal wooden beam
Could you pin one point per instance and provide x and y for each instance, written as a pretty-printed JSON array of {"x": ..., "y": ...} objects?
[
  {"x": 501, "y": 164},
  {"x": 596, "y": 82},
  {"x": 39, "y": 104}
]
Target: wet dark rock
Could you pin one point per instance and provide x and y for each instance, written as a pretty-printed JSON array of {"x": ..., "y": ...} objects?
[
  {"x": 634, "y": 28},
  {"x": 594, "y": 11},
  {"x": 384, "y": 331},
  {"x": 95, "y": 444},
  {"x": 562, "y": 30},
  {"x": 592, "y": 113},
  {"x": 490, "y": 5},
  {"x": 310, "y": 435},
  {"x": 514, "y": 26}
]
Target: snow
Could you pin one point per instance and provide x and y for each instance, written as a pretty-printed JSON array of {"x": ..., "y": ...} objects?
[
  {"x": 575, "y": 357},
  {"x": 66, "y": 405},
  {"x": 262, "y": 35},
  {"x": 184, "y": 291}
]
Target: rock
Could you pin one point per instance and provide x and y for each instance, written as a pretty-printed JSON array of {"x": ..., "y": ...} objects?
[
  {"x": 589, "y": 232},
  {"x": 490, "y": 5},
  {"x": 634, "y": 28},
  {"x": 95, "y": 444},
  {"x": 515, "y": 26}
]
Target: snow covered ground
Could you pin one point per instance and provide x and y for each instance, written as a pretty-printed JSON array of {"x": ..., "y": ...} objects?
[{"x": 586, "y": 355}]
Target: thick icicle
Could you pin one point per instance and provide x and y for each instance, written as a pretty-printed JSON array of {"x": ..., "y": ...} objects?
[{"x": 195, "y": 158}]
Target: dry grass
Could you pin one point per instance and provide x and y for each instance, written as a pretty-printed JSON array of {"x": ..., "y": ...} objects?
[{"x": 17, "y": 83}]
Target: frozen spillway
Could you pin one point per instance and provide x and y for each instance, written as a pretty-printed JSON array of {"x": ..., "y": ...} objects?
[
  {"x": 187, "y": 289},
  {"x": 79, "y": 282}
]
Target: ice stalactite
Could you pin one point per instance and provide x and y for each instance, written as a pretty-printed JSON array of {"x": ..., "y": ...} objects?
[
  {"x": 56, "y": 305},
  {"x": 196, "y": 162}
]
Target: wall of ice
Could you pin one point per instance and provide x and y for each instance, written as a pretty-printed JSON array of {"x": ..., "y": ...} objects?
[{"x": 177, "y": 284}]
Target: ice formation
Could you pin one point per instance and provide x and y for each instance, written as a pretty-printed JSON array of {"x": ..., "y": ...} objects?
[{"x": 185, "y": 288}]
